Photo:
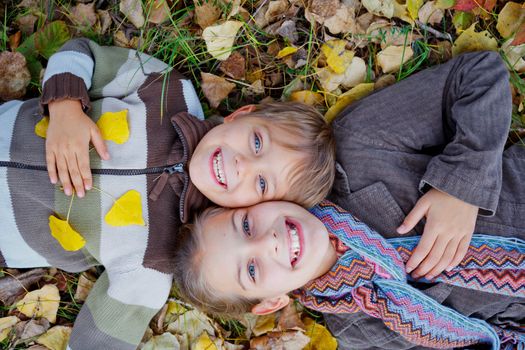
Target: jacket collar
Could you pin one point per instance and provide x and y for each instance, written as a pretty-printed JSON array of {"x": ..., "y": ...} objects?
[{"x": 190, "y": 130}]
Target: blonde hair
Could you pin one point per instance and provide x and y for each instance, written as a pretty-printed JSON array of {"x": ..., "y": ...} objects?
[
  {"x": 189, "y": 278},
  {"x": 312, "y": 179}
]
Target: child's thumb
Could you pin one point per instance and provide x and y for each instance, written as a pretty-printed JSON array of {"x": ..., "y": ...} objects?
[{"x": 100, "y": 145}]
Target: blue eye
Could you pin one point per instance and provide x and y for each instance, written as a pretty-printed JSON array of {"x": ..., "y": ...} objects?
[
  {"x": 257, "y": 142},
  {"x": 246, "y": 226},
  {"x": 251, "y": 271},
  {"x": 262, "y": 184}
]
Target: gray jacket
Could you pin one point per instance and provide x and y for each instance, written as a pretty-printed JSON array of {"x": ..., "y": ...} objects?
[{"x": 445, "y": 128}]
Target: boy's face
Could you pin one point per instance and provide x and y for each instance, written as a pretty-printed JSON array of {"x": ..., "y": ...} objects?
[
  {"x": 238, "y": 163},
  {"x": 265, "y": 250}
]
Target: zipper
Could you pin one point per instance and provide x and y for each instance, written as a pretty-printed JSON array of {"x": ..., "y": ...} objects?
[
  {"x": 171, "y": 169},
  {"x": 184, "y": 159}
]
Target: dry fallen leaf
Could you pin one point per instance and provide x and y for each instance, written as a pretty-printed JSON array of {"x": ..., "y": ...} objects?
[
  {"x": 104, "y": 22},
  {"x": 337, "y": 16},
  {"x": 354, "y": 75},
  {"x": 391, "y": 58},
  {"x": 55, "y": 338},
  {"x": 114, "y": 126},
  {"x": 320, "y": 337},
  {"x": 83, "y": 15},
  {"x": 132, "y": 9},
  {"x": 6, "y": 325},
  {"x": 206, "y": 13},
  {"x": 234, "y": 66},
  {"x": 30, "y": 329},
  {"x": 430, "y": 14},
  {"x": 165, "y": 341},
  {"x": 307, "y": 97},
  {"x": 515, "y": 55},
  {"x": 384, "y": 8},
  {"x": 127, "y": 210},
  {"x": 192, "y": 324},
  {"x": 220, "y": 38},
  {"x": 41, "y": 127},
  {"x": 14, "y": 286},
  {"x": 337, "y": 57},
  {"x": 470, "y": 40},
  {"x": 290, "y": 318},
  {"x": 286, "y": 51},
  {"x": 15, "y": 75},
  {"x": 413, "y": 7},
  {"x": 275, "y": 10},
  {"x": 26, "y": 23},
  {"x": 469, "y": 5},
  {"x": 215, "y": 88},
  {"x": 510, "y": 18},
  {"x": 289, "y": 340},
  {"x": 42, "y": 302},
  {"x": 352, "y": 95},
  {"x": 68, "y": 238},
  {"x": 85, "y": 283},
  {"x": 159, "y": 11},
  {"x": 264, "y": 324},
  {"x": 204, "y": 343},
  {"x": 519, "y": 38}
]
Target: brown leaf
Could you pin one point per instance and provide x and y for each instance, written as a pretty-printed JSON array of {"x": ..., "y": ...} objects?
[
  {"x": 27, "y": 24},
  {"x": 290, "y": 318},
  {"x": 342, "y": 20},
  {"x": 288, "y": 30},
  {"x": 55, "y": 338},
  {"x": 11, "y": 288},
  {"x": 159, "y": 11},
  {"x": 157, "y": 322},
  {"x": 324, "y": 8},
  {"x": 290, "y": 340},
  {"x": 15, "y": 75},
  {"x": 132, "y": 9},
  {"x": 83, "y": 15},
  {"x": 384, "y": 81},
  {"x": 519, "y": 38},
  {"x": 234, "y": 66},
  {"x": 85, "y": 283},
  {"x": 29, "y": 329},
  {"x": 215, "y": 88},
  {"x": 14, "y": 40},
  {"x": 104, "y": 22},
  {"x": 510, "y": 18},
  {"x": 276, "y": 9},
  {"x": 206, "y": 14},
  {"x": 429, "y": 13}
]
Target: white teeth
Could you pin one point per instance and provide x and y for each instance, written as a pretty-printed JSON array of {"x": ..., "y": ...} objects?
[
  {"x": 296, "y": 246},
  {"x": 217, "y": 167}
]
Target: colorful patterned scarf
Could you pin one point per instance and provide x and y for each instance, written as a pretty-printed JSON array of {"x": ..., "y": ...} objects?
[{"x": 370, "y": 276}]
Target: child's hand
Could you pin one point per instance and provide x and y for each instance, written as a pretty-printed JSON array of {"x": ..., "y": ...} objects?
[
  {"x": 67, "y": 146},
  {"x": 448, "y": 230}
]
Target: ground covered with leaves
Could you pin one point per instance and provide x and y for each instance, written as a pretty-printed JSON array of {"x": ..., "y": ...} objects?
[{"x": 327, "y": 53}]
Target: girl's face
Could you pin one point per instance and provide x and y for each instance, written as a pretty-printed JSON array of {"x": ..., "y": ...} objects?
[{"x": 265, "y": 250}]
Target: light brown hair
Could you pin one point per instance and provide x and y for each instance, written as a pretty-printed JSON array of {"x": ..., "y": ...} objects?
[
  {"x": 312, "y": 179},
  {"x": 189, "y": 279}
]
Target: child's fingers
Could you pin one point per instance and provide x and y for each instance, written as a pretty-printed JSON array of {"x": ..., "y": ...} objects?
[
  {"x": 63, "y": 174},
  {"x": 98, "y": 142},
  {"x": 460, "y": 253},
  {"x": 444, "y": 262},
  {"x": 85, "y": 171},
  {"x": 51, "y": 167},
  {"x": 432, "y": 258},
  {"x": 74, "y": 173},
  {"x": 422, "y": 249},
  {"x": 416, "y": 214}
]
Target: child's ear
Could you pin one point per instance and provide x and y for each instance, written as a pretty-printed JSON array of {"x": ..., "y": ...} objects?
[
  {"x": 240, "y": 111},
  {"x": 267, "y": 306}
]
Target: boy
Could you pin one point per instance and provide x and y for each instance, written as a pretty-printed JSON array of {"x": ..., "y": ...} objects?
[
  {"x": 440, "y": 156},
  {"x": 259, "y": 153},
  {"x": 334, "y": 263}
]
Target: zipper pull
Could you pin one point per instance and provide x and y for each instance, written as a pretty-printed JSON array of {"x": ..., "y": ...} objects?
[{"x": 176, "y": 168}]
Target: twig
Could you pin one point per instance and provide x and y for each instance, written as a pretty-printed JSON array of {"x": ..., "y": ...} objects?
[{"x": 436, "y": 33}]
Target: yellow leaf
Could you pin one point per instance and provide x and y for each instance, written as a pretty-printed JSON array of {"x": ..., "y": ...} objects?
[
  {"x": 127, "y": 210},
  {"x": 337, "y": 57},
  {"x": 114, "y": 126},
  {"x": 510, "y": 18},
  {"x": 413, "y": 7},
  {"x": 55, "y": 338},
  {"x": 264, "y": 324},
  {"x": 307, "y": 97},
  {"x": 392, "y": 57},
  {"x": 401, "y": 12},
  {"x": 348, "y": 97},
  {"x": 220, "y": 38},
  {"x": 470, "y": 40},
  {"x": 384, "y": 8},
  {"x": 41, "y": 127},
  {"x": 204, "y": 343},
  {"x": 6, "y": 325},
  {"x": 42, "y": 302},
  {"x": 68, "y": 238},
  {"x": 286, "y": 51},
  {"x": 320, "y": 337}
]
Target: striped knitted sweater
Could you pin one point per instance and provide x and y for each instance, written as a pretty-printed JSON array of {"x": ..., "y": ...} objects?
[{"x": 138, "y": 260}]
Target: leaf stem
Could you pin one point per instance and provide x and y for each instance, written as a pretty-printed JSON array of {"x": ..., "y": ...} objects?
[{"x": 70, "y": 205}]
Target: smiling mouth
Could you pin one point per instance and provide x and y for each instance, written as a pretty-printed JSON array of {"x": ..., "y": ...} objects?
[
  {"x": 218, "y": 168},
  {"x": 295, "y": 239}
]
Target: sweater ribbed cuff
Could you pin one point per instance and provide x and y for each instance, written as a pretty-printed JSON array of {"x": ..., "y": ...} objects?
[{"x": 64, "y": 86}]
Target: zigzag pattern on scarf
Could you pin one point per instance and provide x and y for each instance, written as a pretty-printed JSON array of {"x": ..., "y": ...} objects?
[{"x": 370, "y": 276}]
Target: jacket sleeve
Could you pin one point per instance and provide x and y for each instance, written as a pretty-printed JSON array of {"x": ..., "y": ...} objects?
[
  {"x": 86, "y": 71},
  {"x": 118, "y": 310},
  {"x": 458, "y": 112}
]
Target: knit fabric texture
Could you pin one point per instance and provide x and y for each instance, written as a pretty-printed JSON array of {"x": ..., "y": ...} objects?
[{"x": 370, "y": 276}]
